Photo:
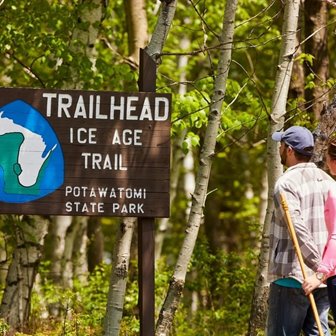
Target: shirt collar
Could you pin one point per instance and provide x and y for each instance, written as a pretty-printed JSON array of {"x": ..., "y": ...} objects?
[{"x": 302, "y": 165}]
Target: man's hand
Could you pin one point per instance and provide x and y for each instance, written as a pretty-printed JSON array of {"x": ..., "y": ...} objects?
[{"x": 311, "y": 283}]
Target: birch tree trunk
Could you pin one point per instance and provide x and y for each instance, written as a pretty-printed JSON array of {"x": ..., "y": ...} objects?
[
  {"x": 83, "y": 41},
  {"x": 56, "y": 244},
  {"x": 29, "y": 235},
  {"x": 166, "y": 15},
  {"x": 137, "y": 38},
  {"x": 274, "y": 167},
  {"x": 54, "y": 251},
  {"x": 199, "y": 197},
  {"x": 297, "y": 83},
  {"x": 121, "y": 256},
  {"x": 137, "y": 28},
  {"x": 74, "y": 255}
]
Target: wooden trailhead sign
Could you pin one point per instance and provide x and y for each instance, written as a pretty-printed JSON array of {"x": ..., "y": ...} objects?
[{"x": 70, "y": 152}]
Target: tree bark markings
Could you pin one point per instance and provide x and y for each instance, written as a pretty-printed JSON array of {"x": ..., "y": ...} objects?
[{"x": 199, "y": 197}]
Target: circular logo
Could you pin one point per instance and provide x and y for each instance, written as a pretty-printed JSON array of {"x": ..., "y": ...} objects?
[{"x": 31, "y": 157}]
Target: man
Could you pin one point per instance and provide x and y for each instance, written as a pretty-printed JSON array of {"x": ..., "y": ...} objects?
[{"x": 306, "y": 188}]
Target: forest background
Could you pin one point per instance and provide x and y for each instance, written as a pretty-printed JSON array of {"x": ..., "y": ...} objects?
[{"x": 56, "y": 271}]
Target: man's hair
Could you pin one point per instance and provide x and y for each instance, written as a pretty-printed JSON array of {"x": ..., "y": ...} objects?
[{"x": 301, "y": 157}]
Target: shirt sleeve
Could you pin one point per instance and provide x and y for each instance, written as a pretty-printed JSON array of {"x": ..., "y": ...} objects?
[
  {"x": 328, "y": 264},
  {"x": 309, "y": 250}
]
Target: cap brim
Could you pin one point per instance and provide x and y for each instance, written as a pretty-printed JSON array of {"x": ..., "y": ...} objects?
[{"x": 277, "y": 136}]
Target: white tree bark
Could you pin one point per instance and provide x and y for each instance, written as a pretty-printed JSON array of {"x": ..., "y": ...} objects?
[
  {"x": 29, "y": 235},
  {"x": 82, "y": 41},
  {"x": 74, "y": 263},
  {"x": 274, "y": 167},
  {"x": 166, "y": 15},
  {"x": 199, "y": 197},
  {"x": 137, "y": 28},
  {"x": 119, "y": 276},
  {"x": 137, "y": 38},
  {"x": 58, "y": 229}
]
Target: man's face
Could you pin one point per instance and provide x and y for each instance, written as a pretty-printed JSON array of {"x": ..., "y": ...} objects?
[{"x": 283, "y": 153}]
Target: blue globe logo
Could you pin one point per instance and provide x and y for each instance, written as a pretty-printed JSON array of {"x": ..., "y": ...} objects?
[{"x": 31, "y": 157}]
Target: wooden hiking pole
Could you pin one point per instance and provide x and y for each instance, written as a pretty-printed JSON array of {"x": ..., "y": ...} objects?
[{"x": 299, "y": 255}]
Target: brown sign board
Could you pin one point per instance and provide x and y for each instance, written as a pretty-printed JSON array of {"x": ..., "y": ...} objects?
[{"x": 71, "y": 152}]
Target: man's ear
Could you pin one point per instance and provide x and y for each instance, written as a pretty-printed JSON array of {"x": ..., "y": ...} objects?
[{"x": 290, "y": 149}]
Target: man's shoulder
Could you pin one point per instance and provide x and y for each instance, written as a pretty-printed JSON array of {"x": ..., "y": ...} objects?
[
  {"x": 304, "y": 173},
  {"x": 309, "y": 169}
]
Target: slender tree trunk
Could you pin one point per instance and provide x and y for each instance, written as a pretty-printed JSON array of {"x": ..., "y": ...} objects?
[
  {"x": 79, "y": 254},
  {"x": 137, "y": 38},
  {"x": 119, "y": 277},
  {"x": 74, "y": 255},
  {"x": 137, "y": 28},
  {"x": 199, "y": 197},
  {"x": 274, "y": 167},
  {"x": 161, "y": 30},
  {"x": 83, "y": 41},
  {"x": 84, "y": 37},
  {"x": 297, "y": 83},
  {"x": 316, "y": 19},
  {"x": 29, "y": 235},
  {"x": 55, "y": 243}
]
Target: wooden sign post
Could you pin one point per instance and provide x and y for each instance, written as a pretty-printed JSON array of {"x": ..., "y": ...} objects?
[{"x": 146, "y": 228}]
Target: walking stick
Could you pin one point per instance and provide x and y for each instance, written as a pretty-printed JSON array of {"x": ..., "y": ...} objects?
[{"x": 299, "y": 255}]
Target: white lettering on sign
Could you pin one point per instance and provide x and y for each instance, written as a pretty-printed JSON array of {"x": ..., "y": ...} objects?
[
  {"x": 127, "y": 137},
  {"x": 102, "y": 193},
  {"x": 102, "y": 162},
  {"x": 84, "y": 207},
  {"x": 83, "y": 135},
  {"x": 105, "y": 192},
  {"x": 130, "y": 208},
  {"x": 91, "y": 107}
]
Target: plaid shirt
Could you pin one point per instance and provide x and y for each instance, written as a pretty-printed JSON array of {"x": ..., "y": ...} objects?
[{"x": 306, "y": 188}]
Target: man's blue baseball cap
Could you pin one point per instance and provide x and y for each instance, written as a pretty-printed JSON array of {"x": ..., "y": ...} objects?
[{"x": 297, "y": 137}]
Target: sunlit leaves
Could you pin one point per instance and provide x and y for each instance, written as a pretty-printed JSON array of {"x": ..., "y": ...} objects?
[
  {"x": 309, "y": 81},
  {"x": 304, "y": 57}
]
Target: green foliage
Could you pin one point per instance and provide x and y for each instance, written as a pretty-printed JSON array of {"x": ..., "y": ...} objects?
[
  {"x": 191, "y": 140},
  {"x": 303, "y": 57},
  {"x": 4, "y": 327},
  {"x": 223, "y": 283},
  {"x": 39, "y": 50},
  {"x": 82, "y": 308},
  {"x": 310, "y": 84}
]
